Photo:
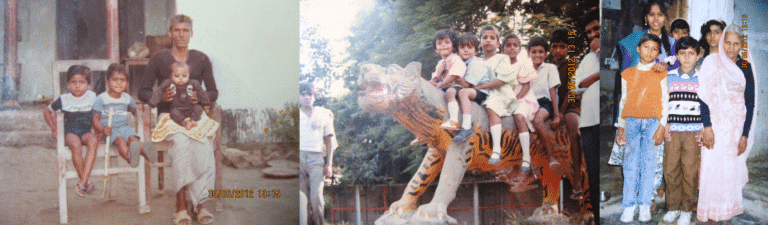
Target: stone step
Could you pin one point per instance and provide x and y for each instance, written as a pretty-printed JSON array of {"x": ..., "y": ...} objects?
[
  {"x": 22, "y": 138},
  {"x": 27, "y": 119}
]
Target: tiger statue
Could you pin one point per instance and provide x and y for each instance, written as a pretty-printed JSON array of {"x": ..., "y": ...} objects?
[{"x": 420, "y": 107}]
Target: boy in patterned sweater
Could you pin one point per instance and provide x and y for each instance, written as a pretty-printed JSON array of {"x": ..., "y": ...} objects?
[{"x": 688, "y": 116}]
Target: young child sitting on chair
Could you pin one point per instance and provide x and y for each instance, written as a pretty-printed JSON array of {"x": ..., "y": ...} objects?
[
  {"x": 183, "y": 111},
  {"x": 122, "y": 136},
  {"x": 77, "y": 106}
]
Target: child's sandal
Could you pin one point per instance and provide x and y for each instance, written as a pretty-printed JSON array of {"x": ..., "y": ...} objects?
[
  {"x": 80, "y": 190},
  {"x": 89, "y": 187},
  {"x": 135, "y": 151},
  {"x": 450, "y": 125},
  {"x": 554, "y": 165},
  {"x": 417, "y": 141}
]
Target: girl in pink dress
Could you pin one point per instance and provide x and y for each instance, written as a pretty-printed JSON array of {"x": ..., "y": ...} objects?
[{"x": 727, "y": 82}]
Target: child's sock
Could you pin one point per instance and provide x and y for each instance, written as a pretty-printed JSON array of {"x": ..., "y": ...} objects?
[
  {"x": 496, "y": 136},
  {"x": 466, "y": 121},
  {"x": 453, "y": 111},
  {"x": 525, "y": 143}
]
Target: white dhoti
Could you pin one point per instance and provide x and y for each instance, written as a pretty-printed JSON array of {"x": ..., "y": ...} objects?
[{"x": 194, "y": 166}]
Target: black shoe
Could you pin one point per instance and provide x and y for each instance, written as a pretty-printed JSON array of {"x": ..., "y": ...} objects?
[{"x": 463, "y": 135}]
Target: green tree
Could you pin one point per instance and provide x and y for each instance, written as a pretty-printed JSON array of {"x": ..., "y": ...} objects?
[
  {"x": 315, "y": 64},
  {"x": 373, "y": 148}
]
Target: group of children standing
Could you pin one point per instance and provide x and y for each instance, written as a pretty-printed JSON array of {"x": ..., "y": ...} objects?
[
  {"x": 503, "y": 83},
  {"x": 660, "y": 102},
  {"x": 86, "y": 117}
]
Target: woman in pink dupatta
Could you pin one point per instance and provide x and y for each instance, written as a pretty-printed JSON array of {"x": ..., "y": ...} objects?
[{"x": 723, "y": 165}]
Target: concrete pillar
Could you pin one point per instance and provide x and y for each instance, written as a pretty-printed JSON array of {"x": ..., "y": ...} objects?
[
  {"x": 10, "y": 95},
  {"x": 358, "y": 212},
  {"x": 113, "y": 35},
  {"x": 476, "y": 203}
]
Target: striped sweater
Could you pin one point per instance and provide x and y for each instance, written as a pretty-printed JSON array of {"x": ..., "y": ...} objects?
[{"x": 687, "y": 112}]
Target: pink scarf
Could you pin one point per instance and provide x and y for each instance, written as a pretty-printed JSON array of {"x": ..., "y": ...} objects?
[
  {"x": 723, "y": 172},
  {"x": 719, "y": 65}
]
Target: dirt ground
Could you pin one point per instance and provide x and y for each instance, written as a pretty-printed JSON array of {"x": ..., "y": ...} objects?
[{"x": 29, "y": 187}]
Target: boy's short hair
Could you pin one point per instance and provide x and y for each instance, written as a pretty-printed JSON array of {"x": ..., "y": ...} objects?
[
  {"x": 81, "y": 70},
  {"x": 687, "y": 42},
  {"x": 445, "y": 33},
  {"x": 179, "y": 18},
  {"x": 559, "y": 35},
  {"x": 649, "y": 37},
  {"x": 468, "y": 39},
  {"x": 507, "y": 37},
  {"x": 492, "y": 29},
  {"x": 115, "y": 68},
  {"x": 179, "y": 65},
  {"x": 539, "y": 41},
  {"x": 679, "y": 24},
  {"x": 306, "y": 88}
]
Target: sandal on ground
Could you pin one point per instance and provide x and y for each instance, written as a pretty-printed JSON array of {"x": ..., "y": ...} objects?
[
  {"x": 135, "y": 151},
  {"x": 180, "y": 217},
  {"x": 149, "y": 151},
  {"x": 80, "y": 190},
  {"x": 204, "y": 216}
]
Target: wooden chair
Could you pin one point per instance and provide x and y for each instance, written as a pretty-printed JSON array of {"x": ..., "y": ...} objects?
[
  {"x": 149, "y": 118},
  {"x": 64, "y": 155}
]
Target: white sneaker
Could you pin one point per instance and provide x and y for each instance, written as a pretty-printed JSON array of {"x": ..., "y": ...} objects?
[
  {"x": 645, "y": 213},
  {"x": 628, "y": 215},
  {"x": 685, "y": 218},
  {"x": 671, "y": 216}
]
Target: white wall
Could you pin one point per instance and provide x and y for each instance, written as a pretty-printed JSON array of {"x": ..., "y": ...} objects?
[
  {"x": 156, "y": 14},
  {"x": 37, "y": 49},
  {"x": 757, "y": 42},
  {"x": 254, "y": 48}
]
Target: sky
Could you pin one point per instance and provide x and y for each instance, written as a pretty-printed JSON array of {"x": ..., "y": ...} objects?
[
  {"x": 252, "y": 46},
  {"x": 335, "y": 27}
]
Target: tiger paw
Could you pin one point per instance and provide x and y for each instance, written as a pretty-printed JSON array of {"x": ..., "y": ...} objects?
[
  {"x": 401, "y": 206},
  {"x": 433, "y": 213}
]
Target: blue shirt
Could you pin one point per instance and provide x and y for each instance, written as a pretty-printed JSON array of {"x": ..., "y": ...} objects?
[{"x": 478, "y": 73}]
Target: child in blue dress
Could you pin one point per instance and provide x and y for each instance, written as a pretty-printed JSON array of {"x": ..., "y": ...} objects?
[{"x": 121, "y": 103}]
